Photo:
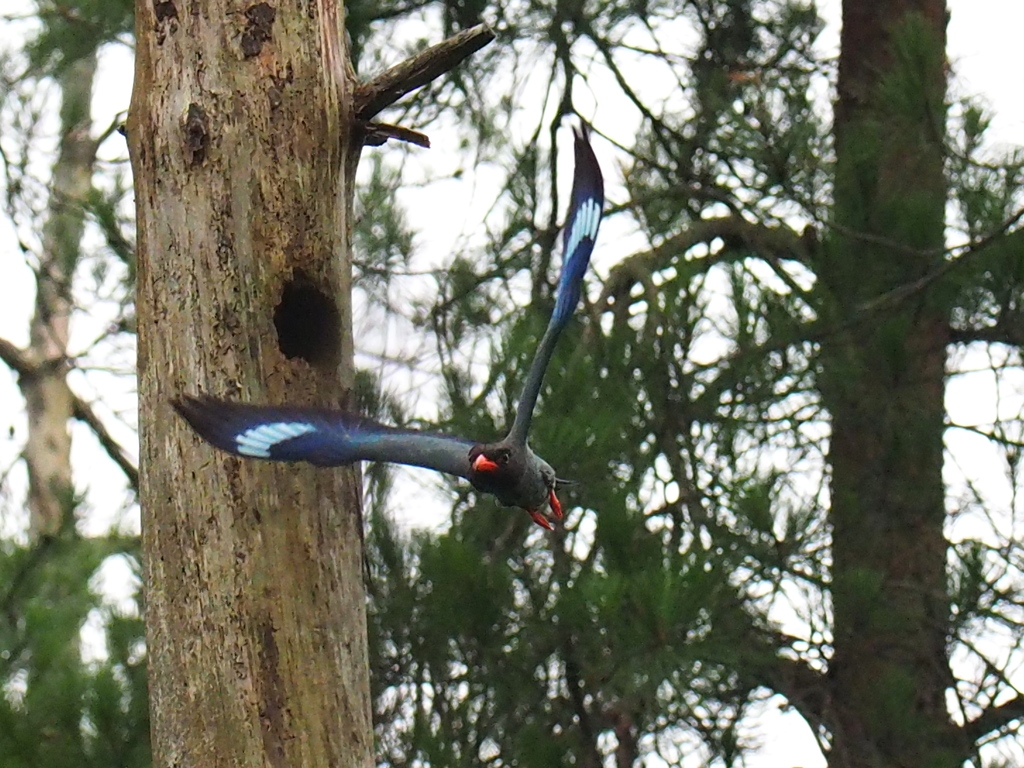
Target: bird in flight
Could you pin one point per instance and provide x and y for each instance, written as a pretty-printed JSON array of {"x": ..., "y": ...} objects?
[{"x": 507, "y": 469}]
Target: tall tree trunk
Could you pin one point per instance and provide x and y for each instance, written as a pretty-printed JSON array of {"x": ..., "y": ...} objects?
[
  {"x": 49, "y": 402},
  {"x": 883, "y": 380},
  {"x": 244, "y": 159}
]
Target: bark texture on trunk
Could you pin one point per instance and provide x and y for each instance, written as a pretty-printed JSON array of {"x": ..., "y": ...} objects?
[
  {"x": 883, "y": 381},
  {"x": 241, "y": 145},
  {"x": 49, "y": 401}
]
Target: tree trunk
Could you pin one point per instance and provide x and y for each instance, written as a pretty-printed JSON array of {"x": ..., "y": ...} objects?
[
  {"x": 244, "y": 161},
  {"x": 49, "y": 402},
  {"x": 883, "y": 380}
]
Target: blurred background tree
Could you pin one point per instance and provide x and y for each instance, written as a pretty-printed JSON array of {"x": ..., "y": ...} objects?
[
  {"x": 781, "y": 500},
  {"x": 67, "y": 702}
]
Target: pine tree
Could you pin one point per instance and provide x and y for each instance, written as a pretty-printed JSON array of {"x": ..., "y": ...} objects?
[
  {"x": 752, "y": 407},
  {"x": 751, "y": 404}
]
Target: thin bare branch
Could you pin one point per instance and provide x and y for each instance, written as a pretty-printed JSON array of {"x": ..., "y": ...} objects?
[
  {"x": 961, "y": 250},
  {"x": 16, "y": 358},
  {"x": 116, "y": 126},
  {"x": 901, "y": 292},
  {"x": 376, "y": 134},
  {"x": 761, "y": 240},
  {"x": 994, "y": 719},
  {"x": 22, "y": 363},
  {"x": 83, "y": 412},
  {"x": 1010, "y": 333}
]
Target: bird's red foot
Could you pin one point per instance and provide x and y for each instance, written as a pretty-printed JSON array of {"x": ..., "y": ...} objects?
[
  {"x": 539, "y": 519},
  {"x": 556, "y": 505}
]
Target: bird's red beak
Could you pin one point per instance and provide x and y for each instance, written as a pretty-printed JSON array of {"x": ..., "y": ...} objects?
[
  {"x": 482, "y": 464},
  {"x": 539, "y": 519},
  {"x": 556, "y": 512},
  {"x": 556, "y": 505}
]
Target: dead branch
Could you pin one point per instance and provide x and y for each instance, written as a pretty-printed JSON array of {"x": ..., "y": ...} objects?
[
  {"x": 375, "y": 134},
  {"x": 416, "y": 71}
]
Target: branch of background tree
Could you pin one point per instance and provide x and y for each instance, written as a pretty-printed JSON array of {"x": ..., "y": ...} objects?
[
  {"x": 773, "y": 243},
  {"x": 419, "y": 70},
  {"x": 738, "y": 235},
  {"x": 781, "y": 243},
  {"x": 901, "y": 292},
  {"x": 898, "y": 294},
  {"x": 33, "y": 559},
  {"x": 995, "y": 719},
  {"x": 116, "y": 126},
  {"x": 801, "y": 685},
  {"x": 763, "y": 664},
  {"x": 15, "y": 359},
  {"x": 577, "y": 693},
  {"x": 84, "y": 413},
  {"x": 1010, "y": 332},
  {"x": 21, "y": 363},
  {"x": 742, "y": 239},
  {"x": 659, "y": 126}
]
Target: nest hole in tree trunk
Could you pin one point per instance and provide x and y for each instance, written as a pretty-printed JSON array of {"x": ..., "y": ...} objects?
[{"x": 308, "y": 323}]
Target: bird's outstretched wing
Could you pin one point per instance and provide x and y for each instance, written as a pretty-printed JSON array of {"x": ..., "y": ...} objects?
[
  {"x": 320, "y": 436},
  {"x": 580, "y": 232}
]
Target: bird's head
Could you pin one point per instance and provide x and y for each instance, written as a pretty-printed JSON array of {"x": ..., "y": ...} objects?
[
  {"x": 494, "y": 462},
  {"x": 498, "y": 469},
  {"x": 517, "y": 477}
]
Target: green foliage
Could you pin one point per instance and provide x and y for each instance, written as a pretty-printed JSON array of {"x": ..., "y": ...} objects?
[
  {"x": 73, "y": 29},
  {"x": 382, "y": 243},
  {"x": 687, "y": 402},
  {"x": 58, "y": 709},
  {"x": 73, "y": 685},
  {"x": 105, "y": 209}
]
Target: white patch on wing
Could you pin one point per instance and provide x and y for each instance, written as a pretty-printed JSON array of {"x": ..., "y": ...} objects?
[
  {"x": 585, "y": 225},
  {"x": 258, "y": 441}
]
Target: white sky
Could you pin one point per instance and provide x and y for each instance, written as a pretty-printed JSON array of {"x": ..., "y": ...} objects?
[{"x": 985, "y": 53}]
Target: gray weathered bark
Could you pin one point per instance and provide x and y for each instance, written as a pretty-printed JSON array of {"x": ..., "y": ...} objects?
[{"x": 242, "y": 144}]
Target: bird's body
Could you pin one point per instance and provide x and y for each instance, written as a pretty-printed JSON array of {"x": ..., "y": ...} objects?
[
  {"x": 507, "y": 469},
  {"x": 517, "y": 477}
]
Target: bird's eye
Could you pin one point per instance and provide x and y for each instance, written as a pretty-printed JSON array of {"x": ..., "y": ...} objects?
[{"x": 503, "y": 458}]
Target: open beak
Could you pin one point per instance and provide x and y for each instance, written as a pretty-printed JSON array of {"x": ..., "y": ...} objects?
[
  {"x": 556, "y": 505},
  {"x": 556, "y": 511},
  {"x": 539, "y": 519},
  {"x": 482, "y": 464}
]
